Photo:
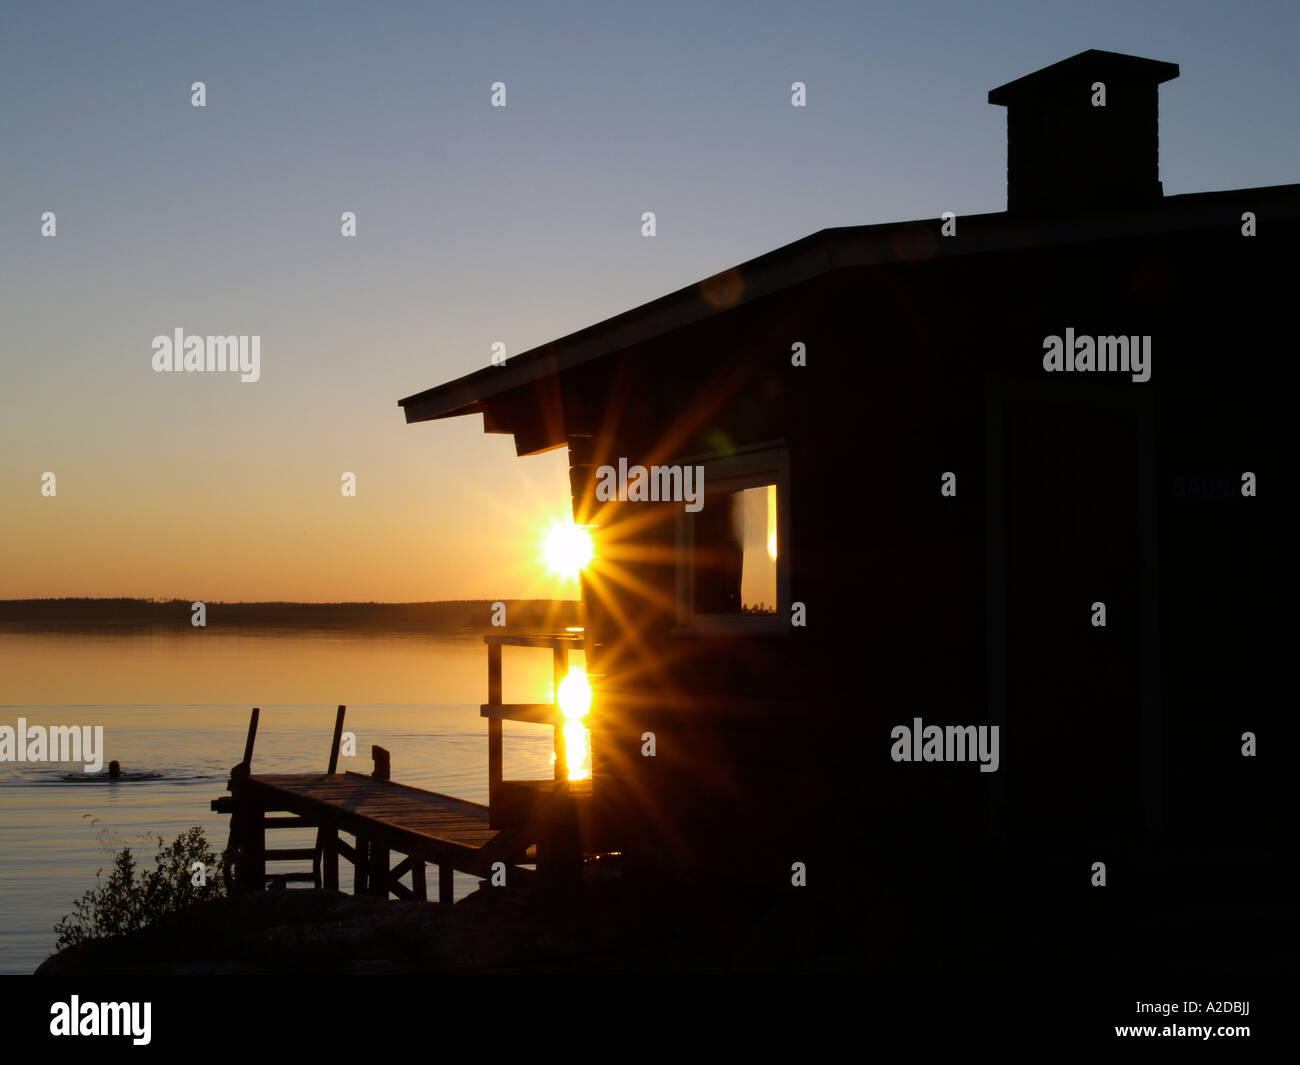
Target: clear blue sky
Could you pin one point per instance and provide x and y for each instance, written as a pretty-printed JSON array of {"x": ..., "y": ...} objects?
[{"x": 475, "y": 225}]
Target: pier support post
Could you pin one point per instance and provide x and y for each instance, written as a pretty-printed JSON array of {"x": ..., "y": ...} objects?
[
  {"x": 418, "y": 886},
  {"x": 559, "y": 852},
  {"x": 377, "y": 869},
  {"x": 327, "y": 838},
  {"x": 379, "y": 862},
  {"x": 360, "y": 866},
  {"x": 248, "y": 834}
]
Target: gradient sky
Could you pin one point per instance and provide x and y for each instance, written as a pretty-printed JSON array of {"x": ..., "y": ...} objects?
[{"x": 475, "y": 225}]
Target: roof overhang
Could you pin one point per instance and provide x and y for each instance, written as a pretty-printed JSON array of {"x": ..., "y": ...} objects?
[{"x": 494, "y": 390}]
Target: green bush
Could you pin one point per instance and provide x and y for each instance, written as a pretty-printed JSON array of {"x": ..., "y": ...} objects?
[{"x": 130, "y": 899}]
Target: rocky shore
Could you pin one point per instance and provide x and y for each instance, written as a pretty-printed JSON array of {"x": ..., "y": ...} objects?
[{"x": 492, "y": 930}]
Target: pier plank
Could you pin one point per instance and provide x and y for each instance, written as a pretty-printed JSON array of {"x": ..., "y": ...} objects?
[{"x": 423, "y": 824}]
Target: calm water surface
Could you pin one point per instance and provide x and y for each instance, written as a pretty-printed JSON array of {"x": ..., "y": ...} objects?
[{"x": 176, "y": 703}]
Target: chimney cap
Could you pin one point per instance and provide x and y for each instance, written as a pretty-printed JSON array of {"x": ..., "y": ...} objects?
[{"x": 1093, "y": 64}]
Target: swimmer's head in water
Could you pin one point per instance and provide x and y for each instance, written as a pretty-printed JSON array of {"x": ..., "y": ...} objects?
[{"x": 114, "y": 770}]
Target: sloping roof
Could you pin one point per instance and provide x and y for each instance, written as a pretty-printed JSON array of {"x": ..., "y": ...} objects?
[{"x": 842, "y": 248}]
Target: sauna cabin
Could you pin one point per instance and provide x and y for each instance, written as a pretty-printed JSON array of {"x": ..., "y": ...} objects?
[{"x": 907, "y": 515}]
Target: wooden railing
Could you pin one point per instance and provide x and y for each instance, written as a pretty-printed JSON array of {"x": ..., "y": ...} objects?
[{"x": 496, "y": 711}]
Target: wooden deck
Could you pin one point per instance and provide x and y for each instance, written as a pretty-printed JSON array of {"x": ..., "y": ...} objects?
[
  {"x": 527, "y": 818},
  {"x": 384, "y": 817},
  {"x": 404, "y": 817}
]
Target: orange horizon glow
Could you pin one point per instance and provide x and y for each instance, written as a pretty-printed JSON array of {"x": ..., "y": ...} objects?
[{"x": 253, "y": 529}]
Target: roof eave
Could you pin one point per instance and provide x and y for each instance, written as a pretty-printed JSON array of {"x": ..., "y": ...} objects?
[{"x": 820, "y": 253}]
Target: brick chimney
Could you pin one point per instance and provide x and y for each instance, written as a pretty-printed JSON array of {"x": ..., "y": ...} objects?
[{"x": 1065, "y": 152}]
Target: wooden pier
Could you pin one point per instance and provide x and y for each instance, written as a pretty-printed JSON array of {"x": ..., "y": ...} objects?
[
  {"x": 383, "y": 817},
  {"x": 528, "y": 823}
]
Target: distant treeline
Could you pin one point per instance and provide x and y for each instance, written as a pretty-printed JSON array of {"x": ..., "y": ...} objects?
[{"x": 551, "y": 614}]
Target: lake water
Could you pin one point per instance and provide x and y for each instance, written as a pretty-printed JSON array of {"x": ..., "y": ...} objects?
[{"x": 177, "y": 703}]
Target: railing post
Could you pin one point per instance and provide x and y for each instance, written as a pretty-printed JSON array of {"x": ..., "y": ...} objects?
[
  {"x": 252, "y": 737},
  {"x": 494, "y": 725},
  {"x": 378, "y": 866},
  {"x": 560, "y": 664},
  {"x": 338, "y": 736}
]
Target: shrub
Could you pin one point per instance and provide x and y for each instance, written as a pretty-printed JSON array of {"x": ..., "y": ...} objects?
[{"x": 130, "y": 900}]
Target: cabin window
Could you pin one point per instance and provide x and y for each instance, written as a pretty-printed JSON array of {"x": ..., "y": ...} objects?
[
  {"x": 735, "y": 552},
  {"x": 733, "y": 558}
]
